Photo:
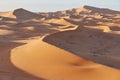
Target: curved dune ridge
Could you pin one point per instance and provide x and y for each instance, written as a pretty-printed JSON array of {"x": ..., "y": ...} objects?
[
  {"x": 99, "y": 44},
  {"x": 49, "y": 62}
]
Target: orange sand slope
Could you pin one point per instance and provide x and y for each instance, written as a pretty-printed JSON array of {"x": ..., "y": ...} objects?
[
  {"x": 99, "y": 44},
  {"x": 5, "y": 32},
  {"x": 7, "y": 14},
  {"x": 44, "y": 60}
]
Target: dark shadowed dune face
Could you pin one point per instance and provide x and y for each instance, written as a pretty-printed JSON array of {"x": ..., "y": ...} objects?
[
  {"x": 93, "y": 44},
  {"x": 23, "y": 14},
  {"x": 101, "y": 10}
]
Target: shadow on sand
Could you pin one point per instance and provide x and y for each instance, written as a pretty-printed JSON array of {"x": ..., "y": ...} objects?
[
  {"x": 91, "y": 44},
  {"x": 7, "y": 70}
]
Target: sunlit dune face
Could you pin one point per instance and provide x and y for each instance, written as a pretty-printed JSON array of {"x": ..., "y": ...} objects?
[
  {"x": 60, "y": 21},
  {"x": 7, "y": 14},
  {"x": 30, "y": 28},
  {"x": 44, "y": 60},
  {"x": 6, "y": 32}
]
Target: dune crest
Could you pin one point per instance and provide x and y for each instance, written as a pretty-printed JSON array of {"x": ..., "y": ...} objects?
[
  {"x": 101, "y": 10},
  {"x": 44, "y": 60},
  {"x": 96, "y": 42},
  {"x": 22, "y": 14}
]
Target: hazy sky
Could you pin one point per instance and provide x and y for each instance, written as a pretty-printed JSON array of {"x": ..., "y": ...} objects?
[{"x": 54, "y": 5}]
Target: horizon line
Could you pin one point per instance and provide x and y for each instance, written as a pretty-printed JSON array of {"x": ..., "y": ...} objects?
[{"x": 62, "y": 9}]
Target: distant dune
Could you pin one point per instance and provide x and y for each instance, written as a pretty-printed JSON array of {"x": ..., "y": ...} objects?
[
  {"x": 22, "y": 14},
  {"x": 7, "y": 14},
  {"x": 101, "y": 10},
  {"x": 60, "y": 22},
  {"x": 88, "y": 10}
]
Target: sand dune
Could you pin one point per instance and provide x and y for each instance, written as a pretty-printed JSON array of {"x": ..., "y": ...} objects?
[
  {"x": 6, "y": 32},
  {"x": 78, "y": 44},
  {"x": 7, "y": 70},
  {"x": 60, "y": 21},
  {"x": 22, "y": 14},
  {"x": 101, "y": 10},
  {"x": 81, "y": 9},
  {"x": 7, "y": 14},
  {"x": 96, "y": 42},
  {"x": 44, "y": 60},
  {"x": 88, "y": 10}
]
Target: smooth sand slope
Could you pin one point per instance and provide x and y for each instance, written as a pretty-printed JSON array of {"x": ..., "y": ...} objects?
[
  {"x": 49, "y": 62},
  {"x": 7, "y": 70},
  {"x": 60, "y": 22},
  {"x": 98, "y": 44},
  {"x": 7, "y": 14}
]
